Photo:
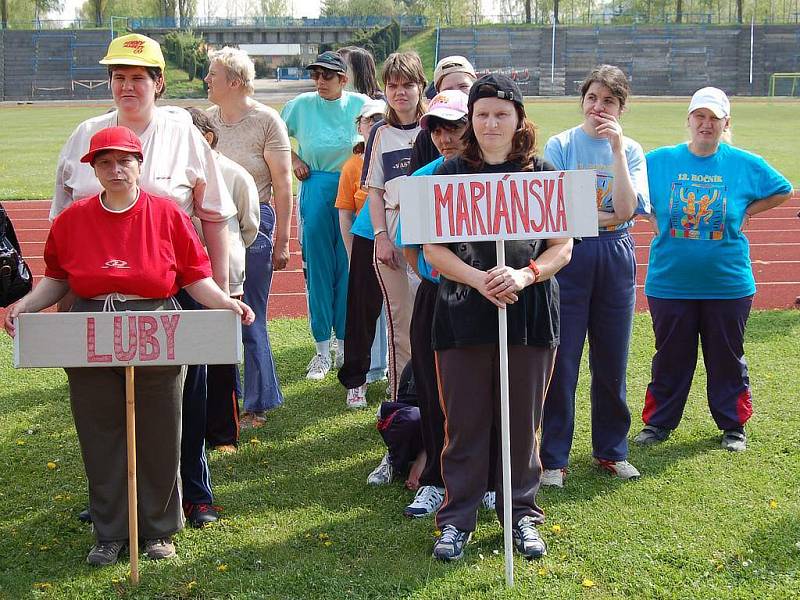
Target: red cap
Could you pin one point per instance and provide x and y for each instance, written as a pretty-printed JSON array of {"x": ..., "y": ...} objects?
[{"x": 113, "y": 138}]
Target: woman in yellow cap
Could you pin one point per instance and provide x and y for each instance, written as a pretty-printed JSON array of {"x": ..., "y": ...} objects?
[{"x": 177, "y": 164}]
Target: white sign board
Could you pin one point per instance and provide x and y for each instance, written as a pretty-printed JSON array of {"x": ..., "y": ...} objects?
[
  {"x": 498, "y": 206},
  {"x": 109, "y": 339}
]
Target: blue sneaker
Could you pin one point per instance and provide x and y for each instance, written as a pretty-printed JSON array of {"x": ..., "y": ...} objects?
[
  {"x": 450, "y": 545},
  {"x": 527, "y": 540}
]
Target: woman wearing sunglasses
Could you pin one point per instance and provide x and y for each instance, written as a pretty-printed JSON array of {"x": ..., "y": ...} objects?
[{"x": 322, "y": 124}]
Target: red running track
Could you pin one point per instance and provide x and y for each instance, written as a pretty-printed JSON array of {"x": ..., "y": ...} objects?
[{"x": 774, "y": 246}]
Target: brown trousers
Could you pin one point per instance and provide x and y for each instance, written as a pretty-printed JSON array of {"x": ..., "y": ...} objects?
[
  {"x": 97, "y": 398},
  {"x": 469, "y": 382}
]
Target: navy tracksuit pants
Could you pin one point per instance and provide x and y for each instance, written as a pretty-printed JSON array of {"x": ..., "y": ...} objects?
[
  {"x": 720, "y": 325},
  {"x": 598, "y": 295},
  {"x": 195, "y": 473}
]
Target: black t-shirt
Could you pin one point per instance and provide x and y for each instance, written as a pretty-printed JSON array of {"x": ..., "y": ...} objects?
[
  {"x": 423, "y": 151},
  {"x": 463, "y": 317}
]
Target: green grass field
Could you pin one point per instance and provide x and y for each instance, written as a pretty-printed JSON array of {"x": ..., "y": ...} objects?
[
  {"x": 32, "y": 136},
  {"x": 300, "y": 521}
]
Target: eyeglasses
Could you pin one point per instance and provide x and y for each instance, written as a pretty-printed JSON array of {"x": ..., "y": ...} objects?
[{"x": 326, "y": 74}]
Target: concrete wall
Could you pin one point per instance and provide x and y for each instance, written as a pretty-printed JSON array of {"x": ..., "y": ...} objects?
[
  {"x": 56, "y": 65},
  {"x": 659, "y": 60}
]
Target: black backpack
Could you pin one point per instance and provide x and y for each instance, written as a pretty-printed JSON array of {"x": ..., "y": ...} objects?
[{"x": 15, "y": 276}]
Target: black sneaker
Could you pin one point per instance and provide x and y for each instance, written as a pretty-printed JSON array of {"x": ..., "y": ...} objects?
[
  {"x": 103, "y": 554},
  {"x": 527, "y": 540},
  {"x": 85, "y": 516},
  {"x": 450, "y": 545},
  {"x": 200, "y": 515}
]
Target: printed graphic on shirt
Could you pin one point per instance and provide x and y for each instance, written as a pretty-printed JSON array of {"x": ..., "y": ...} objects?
[
  {"x": 116, "y": 263},
  {"x": 697, "y": 210},
  {"x": 458, "y": 293},
  {"x": 605, "y": 189},
  {"x": 395, "y": 164}
]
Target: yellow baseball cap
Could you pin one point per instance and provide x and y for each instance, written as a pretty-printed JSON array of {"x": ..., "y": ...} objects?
[{"x": 134, "y": 49}]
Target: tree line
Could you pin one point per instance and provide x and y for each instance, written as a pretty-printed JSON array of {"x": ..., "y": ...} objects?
[{"x": 438, "y": 12}]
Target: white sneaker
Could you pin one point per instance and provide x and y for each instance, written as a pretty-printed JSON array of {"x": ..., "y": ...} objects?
[
  {"x": 339, "y": 359},
  {"x": 382, "y": 474},
  {"x": 620, "y": 468},
  {"x": 357, "y": 397},
  {"x": 426, "y": 502},
  {"x": 318, "y": 367},
  {"x": 553, "y": 477},
  {"x": 489, "y": 500}
]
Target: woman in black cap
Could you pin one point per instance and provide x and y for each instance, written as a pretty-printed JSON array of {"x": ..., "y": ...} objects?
[{"x": 499, "y": 139}]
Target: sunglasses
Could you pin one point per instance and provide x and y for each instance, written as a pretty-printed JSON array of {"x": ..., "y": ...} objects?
[{"x": 326, "y": 74}]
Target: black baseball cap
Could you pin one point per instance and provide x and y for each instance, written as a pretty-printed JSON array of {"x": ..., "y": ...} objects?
[
  {"x": 495, "y": 85},
  {"x": 329, "y": 60}
]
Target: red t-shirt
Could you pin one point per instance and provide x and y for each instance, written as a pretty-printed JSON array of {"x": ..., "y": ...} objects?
[{"x": 150, "y": 250}]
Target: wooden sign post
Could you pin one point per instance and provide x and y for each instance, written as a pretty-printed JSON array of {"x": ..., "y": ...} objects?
[
  {"x": 129, "y": 339},
  {"x": 498, "y": 207}
]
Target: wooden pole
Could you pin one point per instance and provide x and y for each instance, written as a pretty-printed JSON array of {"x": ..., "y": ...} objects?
[
  {"x": 133, "y": 517},
  {"x": 505, "y": 426}
]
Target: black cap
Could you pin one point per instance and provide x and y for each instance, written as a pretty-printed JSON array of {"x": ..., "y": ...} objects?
[
  {"x": 495, "y": 85},
  {"x": 329, "y": 60}
]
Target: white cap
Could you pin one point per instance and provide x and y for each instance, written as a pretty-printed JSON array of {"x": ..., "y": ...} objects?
[
  {"x": 714, "y": 99},
  {"x": 371, "y": 108}
]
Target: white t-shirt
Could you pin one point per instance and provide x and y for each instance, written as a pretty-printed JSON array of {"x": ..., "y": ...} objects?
[
  {"x": 243, "y": 228},
  {"x": 176, "y": 160}
]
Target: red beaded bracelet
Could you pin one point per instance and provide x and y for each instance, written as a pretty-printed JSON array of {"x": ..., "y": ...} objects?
[{"x": 535, "y": 268}]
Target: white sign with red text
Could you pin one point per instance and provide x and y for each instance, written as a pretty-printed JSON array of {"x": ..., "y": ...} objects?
[
  {"x": 498, "y": 206},
  {"x": 111, "y": 339}
]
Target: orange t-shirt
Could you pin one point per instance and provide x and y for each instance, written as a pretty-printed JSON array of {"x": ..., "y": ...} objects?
[{"x": 351, "y": 195}]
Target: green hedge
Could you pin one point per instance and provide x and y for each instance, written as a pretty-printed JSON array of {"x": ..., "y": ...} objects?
[
  {"x": 187, "y": 52},
  {"x": 381, "y": 41}
]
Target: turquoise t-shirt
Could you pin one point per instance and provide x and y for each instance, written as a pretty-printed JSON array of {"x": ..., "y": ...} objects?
[
  {"x": 325, "y": 130},
  {"x": 576, "y": 149},
  {"x": 423, "y": 266},
  {"x": 699, "y": 204}
]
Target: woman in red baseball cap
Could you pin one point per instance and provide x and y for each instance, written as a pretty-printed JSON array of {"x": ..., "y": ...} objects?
[{"x": 126, "y": 249}]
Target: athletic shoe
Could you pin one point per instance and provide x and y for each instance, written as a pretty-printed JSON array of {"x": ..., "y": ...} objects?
[
  {"x": 339, "y": 357},
  {"x": 104, "y": 553},
  {"x": 159, "y": 548},
  {"x": 650, "y": 435},
  {"x": 527, "y": 540},
  {"x": 734, "y": 440},
  {"x": 426, "y": 502},
  {"x": 489, "y": 500},
  {"x": 357, "y": 397},
  {"x": 200, "y": 515},
  {"x": 554, "y": 477},
  {"x": 450, "y": 545},
  {"x": 382, "y": 474},
  {"x": 318, "y": 367},
  {"x": 618, "y": 468},
  {"x": 252, "y": 420},
  {"x": 85, "y": 516}
]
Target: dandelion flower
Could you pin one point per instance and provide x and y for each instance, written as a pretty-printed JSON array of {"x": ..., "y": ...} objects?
[
  {"x": 222, "y": 568},
  {"x": 587, "y": 583},
  {"x": 556, "y": 529},
  {"x": 51, "y": 465},
  {"x": 773, "y": 504}
]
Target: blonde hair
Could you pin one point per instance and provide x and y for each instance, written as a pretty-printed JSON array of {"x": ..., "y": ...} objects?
[
  {"x": 404, "y": 66},
  {"x": 238, "y": 66}
]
